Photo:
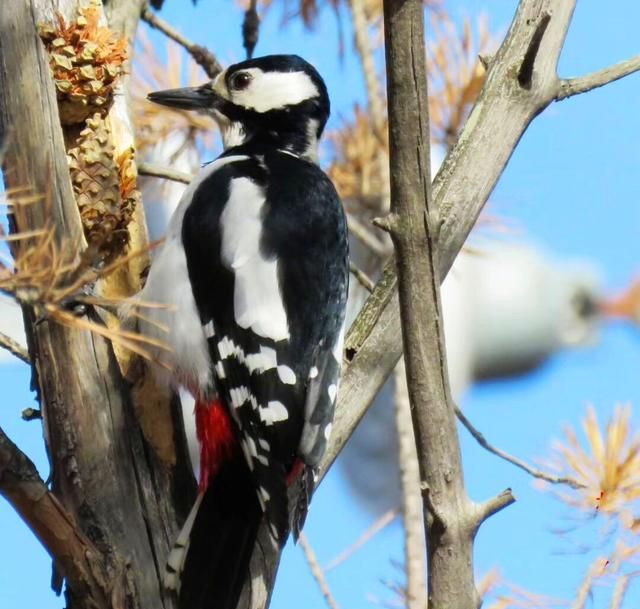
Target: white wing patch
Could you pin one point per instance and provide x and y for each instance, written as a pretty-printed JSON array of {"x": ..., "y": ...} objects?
[
  {"x": 332, "y": 391},
  {"x": 286, "y": 375},
  {"x": 265, "y": 359},
  {"x": 327, "y": 431},
  {"x": 273, "y": 413},
  {"x": 256, "y": 298}
]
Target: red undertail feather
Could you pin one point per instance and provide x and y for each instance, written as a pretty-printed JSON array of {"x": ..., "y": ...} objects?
[
  {"x": 216, "y": 437},
  {"x": 296, "y": 470}
]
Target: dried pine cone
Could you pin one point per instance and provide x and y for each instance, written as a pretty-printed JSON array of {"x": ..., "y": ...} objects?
[
  {"x": 99, "y": 186},
  {"x": 86, "y": 60},
  {"x": 128, "y": 174}
]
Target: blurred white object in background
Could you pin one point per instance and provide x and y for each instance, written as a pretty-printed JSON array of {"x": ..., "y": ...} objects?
[
  {"x": 161, "y": 197},
  {"x": 510, "y": 306},
  {"x": 507, "y": 308},
  {"x": 11, "y": 324}
]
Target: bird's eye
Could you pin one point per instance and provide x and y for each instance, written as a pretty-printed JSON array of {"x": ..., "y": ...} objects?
[{"x": 240, "y": 81}]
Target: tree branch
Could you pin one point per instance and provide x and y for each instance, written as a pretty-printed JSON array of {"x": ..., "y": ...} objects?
[
  {"x": 366, "y": 237},
  {"x": 493, "y": 506},
  {"x": 75, "y": 556},
  {"x": 466, "y": 178},
  {"x": 159, "y": 171},
  {"x": 447, "y": 512},
  {"x": 619, "y": 591},
  {"x": 202, "y": 56},
  {"x": 479, "y": 437},
  {"x": 316, "y": 571},
  {"x": 110, "y": 479},
  {"x": 575, "y": 86},
  {"x": 14, "y": 347},
  {"x": 414, "y": 551},
  {"x": 362, "y": 277},
  {"x": 387, "y": 518}
]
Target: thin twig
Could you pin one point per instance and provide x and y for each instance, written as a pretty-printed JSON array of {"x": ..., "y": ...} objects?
[
  {"x": 316, "y": 571},
  {"x": 159, "y": 171},
  {"x": 250, "y": 28},
  {"x": 375, "y": 95},
  {"x": 619, "y": 591},
  {"x": 202, "y": 56},
  {"x": 364, "y": 48},
  {"x": 380, "y": 523},
  {"x": 412, "y": 514},
  {"x": 584, "y": 591},
  {"x": 366, "y": 237},
  {"x": 479, "y": 437},
  {"x": 15, "y": 348},
  {"x": 575, "y": 86},
  {"x": 364, "y": 279}
]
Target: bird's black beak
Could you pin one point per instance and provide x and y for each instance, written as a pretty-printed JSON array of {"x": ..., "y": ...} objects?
[{"x": 188, "y": 98}]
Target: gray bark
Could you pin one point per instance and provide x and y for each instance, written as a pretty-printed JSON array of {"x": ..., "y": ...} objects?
[{"x": 121, "y": 496}]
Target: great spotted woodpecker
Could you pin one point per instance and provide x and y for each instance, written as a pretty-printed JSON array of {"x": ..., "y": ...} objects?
[{"x": 254, "y": 270}]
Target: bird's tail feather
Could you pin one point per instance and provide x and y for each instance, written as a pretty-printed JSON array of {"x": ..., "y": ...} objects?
[{"x": 210, "y": 559}]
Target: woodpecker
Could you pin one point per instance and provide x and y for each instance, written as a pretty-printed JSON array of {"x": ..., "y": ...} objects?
[{"x": 254, "y": 273}]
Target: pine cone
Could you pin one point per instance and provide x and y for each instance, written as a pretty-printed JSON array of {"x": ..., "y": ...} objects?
[
  {"x": 86, "y": 60},
  {"x": 96, "y": 181}
]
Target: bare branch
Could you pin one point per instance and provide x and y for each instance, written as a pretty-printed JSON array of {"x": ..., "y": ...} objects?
[
  {"x": 250, "y": 28},
  {"x": 494, "y": 505},
  {"x": 449, "y": 516},
  {"x": 203, "y": 57},
  {"x": 479, "y": 437},
  {"x": 362, "y": 277},
  {"x": 414, "y": 551},
  {"x": 387, "y": 518},
  {"x": 584, "y": 591},
  {"x": 316, "y": 571},
  {"x": 76, "y": 557},
  {"x": 159, "y": 171},
  {"x": 525, "y": 73},
  {"x": 619, "y": 591},
  {"x": 466, "y": 178},
  {"x": 575, "y": 86},
  {"x": 15, "y": 348},
  {"x": 365, "y": 52},
  {"x": 366, "y": 237}
]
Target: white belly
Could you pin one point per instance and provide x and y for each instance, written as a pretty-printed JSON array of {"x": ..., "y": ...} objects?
[{"x": 177, "y": 324}]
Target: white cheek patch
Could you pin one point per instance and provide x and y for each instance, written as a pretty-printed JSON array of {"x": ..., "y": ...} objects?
[
  {"x": 256, "y": 298},
  {"x": 273, "y": 90}
]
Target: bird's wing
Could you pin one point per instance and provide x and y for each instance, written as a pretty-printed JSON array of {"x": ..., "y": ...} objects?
[{"x": 265, "y": 242}]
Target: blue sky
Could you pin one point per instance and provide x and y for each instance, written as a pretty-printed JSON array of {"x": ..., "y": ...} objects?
[{"x": 572, "y": 187}]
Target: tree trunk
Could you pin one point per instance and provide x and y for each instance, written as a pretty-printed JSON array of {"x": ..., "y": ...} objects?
[{"x": 122, "y": 496}]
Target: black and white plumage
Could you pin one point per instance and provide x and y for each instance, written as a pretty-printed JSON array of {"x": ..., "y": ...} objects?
[{"x": 255, "y": 271}]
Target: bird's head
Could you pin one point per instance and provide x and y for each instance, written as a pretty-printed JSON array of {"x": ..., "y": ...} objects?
[{"x": 276, "y": 99}]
